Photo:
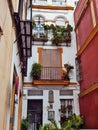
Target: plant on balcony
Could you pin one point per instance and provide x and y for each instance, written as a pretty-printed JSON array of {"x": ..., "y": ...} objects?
[
  {"x": 68, "y": 69},
  {"x": 61, "y": 34},
  {"x": 46, "y": 27},
  {"x": 33, "y": 24},
  {"x": 36, "y": 71},
  {"x": 42, "y": 37}
]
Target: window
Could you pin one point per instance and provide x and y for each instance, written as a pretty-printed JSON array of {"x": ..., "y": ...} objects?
[
  {"x": 51, "y": 65},
  {"x": 66, "y": 109},
  {"x": 78, "y": 69},
  {"x": 35, "y": 92},
  {"x": 66, "y": 92},
  {"x": 38, "y": 29},
  {"x": 60, "y": 20}
]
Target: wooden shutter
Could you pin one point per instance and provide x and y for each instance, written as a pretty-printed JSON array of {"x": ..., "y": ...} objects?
[{"x": 50, "y": 60}]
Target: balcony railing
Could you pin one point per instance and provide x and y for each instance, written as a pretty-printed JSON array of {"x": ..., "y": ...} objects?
[
  {"x": 52, "y": 73},
  {"x": 41, "y": 38},
  {"x": 56, "y": 35},
  {"x": 38, "y": 2},
  {"x": 54, "y": 2},
  {"x": 59, "y": 2}
]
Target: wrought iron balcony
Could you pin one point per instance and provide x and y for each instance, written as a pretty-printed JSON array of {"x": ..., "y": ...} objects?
[
  {"x": 54, "y": 2},
  {"x": 51, "y": 73},
  {"x": 56, "y": 35},
  {"x": 24, "y": 39},
  {"x": 59, "y": 2},
  {"x": 41, "y": 38}
]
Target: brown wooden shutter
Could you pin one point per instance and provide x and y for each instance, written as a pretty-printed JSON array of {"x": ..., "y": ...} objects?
[{"x": 50, "y": 60}]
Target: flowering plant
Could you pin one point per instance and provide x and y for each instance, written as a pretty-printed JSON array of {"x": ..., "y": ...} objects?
[
  {"x": 69, "y": 107},
  {"x": 63, "y": 109}
]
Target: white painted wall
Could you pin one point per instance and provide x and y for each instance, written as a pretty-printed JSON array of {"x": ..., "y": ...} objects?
[
  {"x": 68, "y": 56},
  {"x": 56, "y": 104}
]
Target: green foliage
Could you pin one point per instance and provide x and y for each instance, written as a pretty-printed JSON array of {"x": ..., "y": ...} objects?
[
  {"x": 60, "y": 34},
  {"x": 69, "y": 28},
  {"x": 24, "y": 123},
  {"x": 36, "y": 71},
  {"x": 73, "y": 123},
  {"x": 33, "y": 24},
  {"x": 68, "y": 68},
  {"x": 50, "y": 126}
]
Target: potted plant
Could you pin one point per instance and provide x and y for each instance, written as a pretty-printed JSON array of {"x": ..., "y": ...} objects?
[
  {"x": 73, "y": 123},
  {"x": 68, "y": 68},
  {"x": 24, "y": 123},
  {"x": 33, "y": 24},
  {"x": 36, "y": 71}
]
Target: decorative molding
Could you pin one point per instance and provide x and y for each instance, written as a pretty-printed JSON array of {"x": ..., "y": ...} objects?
[
  {"x": 52, "y": 7},
  {"x": 93, "y": 14},
  {"x": 86, "y": 43},
  {"x": 53, "y": 21},
  {"x": 89, "y": 90},
  {"x": 44, "y": 82},
  {"x": 27, "y": 83},
  {"x": 39, "y": 51},
  {"x": 40, "y": 82}
]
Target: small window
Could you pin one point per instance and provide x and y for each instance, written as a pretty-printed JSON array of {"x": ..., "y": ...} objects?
[
  {"x": 78, "y": 69},
  {"x": 66, "y": 109},
  {"x": 66, "y": 92},
  {"x": 35, "y": 93},
  {"x": 60, "y": 21},
  {"x": 38, "y": 30}
]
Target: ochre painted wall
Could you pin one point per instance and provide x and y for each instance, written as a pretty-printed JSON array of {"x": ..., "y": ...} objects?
[{"x": 6, "y": 47}]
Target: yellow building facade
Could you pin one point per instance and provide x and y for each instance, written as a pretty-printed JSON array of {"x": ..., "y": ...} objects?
[{"x": 11, "y": 76}]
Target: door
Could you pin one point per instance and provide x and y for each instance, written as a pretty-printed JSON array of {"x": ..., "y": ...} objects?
[{"x": 35, "y": 111}]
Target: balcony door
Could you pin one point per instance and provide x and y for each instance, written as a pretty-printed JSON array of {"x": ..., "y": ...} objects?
[{"x": 50, "y": 60}]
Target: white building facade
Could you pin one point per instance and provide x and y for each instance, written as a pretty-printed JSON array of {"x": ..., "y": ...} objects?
[{"x": 52, "y": 96}]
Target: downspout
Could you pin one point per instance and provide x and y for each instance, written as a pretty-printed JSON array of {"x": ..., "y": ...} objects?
[{"x": 31, "y": 9}]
